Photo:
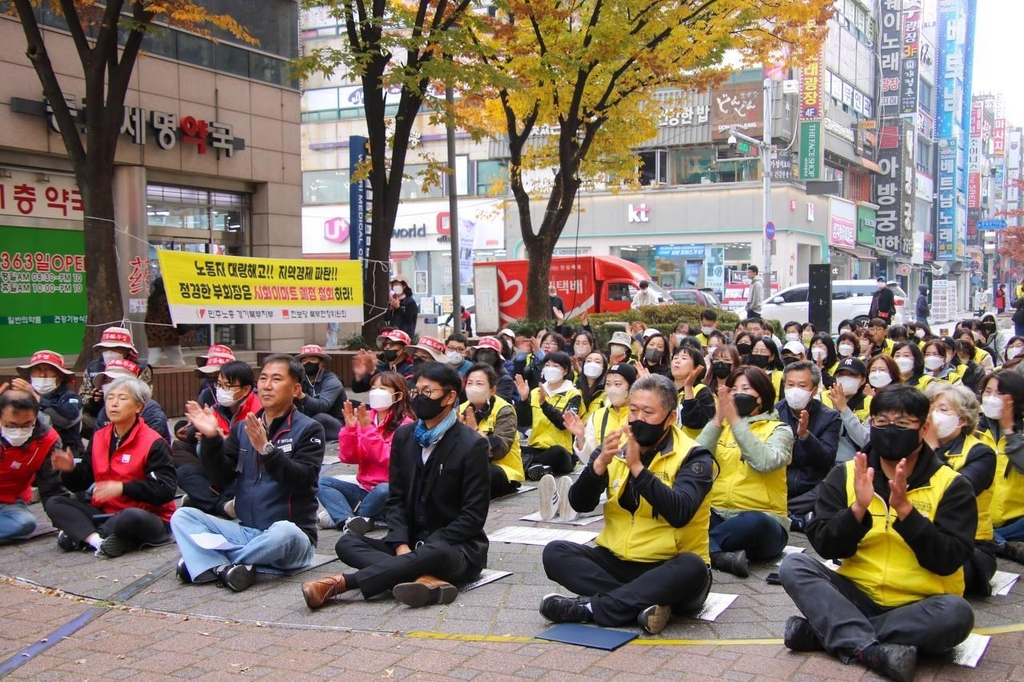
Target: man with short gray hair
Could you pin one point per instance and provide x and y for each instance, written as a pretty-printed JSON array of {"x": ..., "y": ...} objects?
[{"x": 816, "y": 428}]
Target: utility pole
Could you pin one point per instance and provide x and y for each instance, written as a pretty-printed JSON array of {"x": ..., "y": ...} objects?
[
  {"x": 764, "y": 148},
  {"x": 453, "y": 212}
]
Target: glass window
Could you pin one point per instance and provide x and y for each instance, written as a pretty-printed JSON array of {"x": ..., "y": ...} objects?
[
  {"x": 190, "y": 208},
  {"x": 489, "y": 173},
  {"x": 264, "y": 68},
  {"x": 925, "y": 95},
  {"x": 412, "y": 184},
  {"x": 798, "y": 295},
  {"x": 232, "y": 59},
  {"x": 693, "y": 166},
  {"x": 621, "y": 291},
  {"x": 160, "y": 41},
  {"x": 195, "y": 50},
  {"x": 325, "y": 187}
]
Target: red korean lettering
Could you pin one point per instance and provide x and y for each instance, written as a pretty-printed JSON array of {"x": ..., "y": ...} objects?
[
  {"x": 25, "y": 198},
  {"x": 194, "y": 131}
]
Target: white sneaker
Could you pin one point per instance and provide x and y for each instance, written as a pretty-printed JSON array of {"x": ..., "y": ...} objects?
[
  {"x": 548, "y": 491},
  {"x": 565, "y": 510},
  {"x": 324, "y": 520},
  {"x": 229, "y": 509}
]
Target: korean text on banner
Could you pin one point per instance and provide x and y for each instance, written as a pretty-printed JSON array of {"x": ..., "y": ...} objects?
[{"x": 203, "y": 289}]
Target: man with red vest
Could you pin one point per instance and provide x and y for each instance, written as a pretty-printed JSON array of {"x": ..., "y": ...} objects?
[{"x": 26, "y": 441}]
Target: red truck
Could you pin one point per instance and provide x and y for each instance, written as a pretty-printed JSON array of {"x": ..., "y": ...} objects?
[{"x": 595, "y": 284}]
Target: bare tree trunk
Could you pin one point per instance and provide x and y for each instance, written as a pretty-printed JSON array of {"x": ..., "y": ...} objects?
[{"x": 538, "y": 301}]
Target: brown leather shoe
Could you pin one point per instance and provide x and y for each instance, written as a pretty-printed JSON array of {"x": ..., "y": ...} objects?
[
  {"x": 426, "y": 591},
  {"x": 317, "y": 592}
]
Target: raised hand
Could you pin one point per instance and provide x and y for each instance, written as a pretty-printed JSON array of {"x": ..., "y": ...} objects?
[
  {"x": 838, "y": 397},
  {"x": 349, "y": 415},
  {"x": 469, "y": 418},
  {"x": 727, "y": 411},
  {"x": 632, "y": 452},
  {"x": 22, "y": 385},
  {"x": 542, "y": 395},
  {"x": 898, "y": 491},
  {"x": 522, "y": 387},
  {"x": 803, "y": 421},
  {"x": 574, "y": 424},
  {"x": 4, "y": 386},
  {"x": 362, "y": 416},
  {"x": 610, "y": 448},
  {"x": 641, "y": 371},
  {"x": 203, "y": 420},
  {"x": 863, "y": 485},
  {"x": 107, "y": 490},
  {"x": 1006, "y": 418},
  {"x": 694, "y": 377},
  {"x": 257, "y": 434},
  {"x": 62, "y": 460}
]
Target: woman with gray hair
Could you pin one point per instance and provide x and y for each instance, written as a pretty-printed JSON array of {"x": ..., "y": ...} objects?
[
  {"x": 130, "y": 465},
  {"x": 957, "y": 442}
]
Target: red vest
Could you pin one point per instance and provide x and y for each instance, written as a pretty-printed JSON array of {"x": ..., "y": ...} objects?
[
  {"x": 18, "y": 466},
  {"x": 250, "y": 404},
  {"x": 127, "y": 464}
]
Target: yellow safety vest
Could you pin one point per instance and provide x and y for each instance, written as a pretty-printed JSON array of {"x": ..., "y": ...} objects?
[
  {"x": 884, "y": 567},
  {"x": 922, "y": 382},
  {"x": 862, "y": 414},
  {"x": 608, "y": 419},
  {"x": 776, "y": 376},
  {"x": 741, "y": 488},
  {"x": 1008, "y": 493},
  {"x": 957, "y": 461},
  {"x": 544, "y": 433},
  {"x": 642, "y": 536},
  {"x": 512, "y": 462},
  {"x": 596, "y": 402},
  {"x": 697, "y": 388}
]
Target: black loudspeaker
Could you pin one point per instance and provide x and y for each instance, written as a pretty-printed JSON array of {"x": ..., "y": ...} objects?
[{"x": 819, "y": 297}]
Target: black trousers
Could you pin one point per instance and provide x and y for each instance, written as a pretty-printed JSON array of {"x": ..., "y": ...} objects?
[
  {"x": 619, "y": 590},
  {"x": 979, "y": 569},
  {"x": 183, "y": 454},
  {"x": 558, "y": 458},
  {"x": 80, "y": 520},
  {"x": 332, "y": 426},
  {"x": 500, "y": 485},
  {"x": 381, "y": 569},
  {"x": 202, "y": 494}
]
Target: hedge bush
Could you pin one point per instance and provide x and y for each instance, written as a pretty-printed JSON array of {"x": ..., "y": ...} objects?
[{"x": 664, "y": 318}]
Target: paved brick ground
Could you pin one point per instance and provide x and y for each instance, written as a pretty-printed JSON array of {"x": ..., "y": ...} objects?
[{"x": 170, "y": 630}]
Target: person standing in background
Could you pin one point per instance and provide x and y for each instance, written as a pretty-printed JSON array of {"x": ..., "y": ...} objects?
[
  {"x": 755, "y": 298},
  {"x": 1001, "y": 299},
  {"x": 922, "y": 307}
]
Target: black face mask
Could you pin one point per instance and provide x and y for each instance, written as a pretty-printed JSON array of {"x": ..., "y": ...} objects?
[
  {"x": 758, "y": 361},
  {"x": 426, "y": 408},
  {"x": 785, "y": 361},
  {"x": 390, "y": 355},
  {"x": 311, "y": 368},
  {"x": 893, "y": 443},
  {"x": 486, "y": 358},
  {"x": 646, "y": 434},
  {"x": 745, "y": 404},
  {"x": 744, "y": 348},
  {"x": 653, "y": 355},
  {"x": 721, "y": 369}
]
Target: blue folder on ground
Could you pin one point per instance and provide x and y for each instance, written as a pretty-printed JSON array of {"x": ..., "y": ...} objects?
[{"x": 588, "y": 636}]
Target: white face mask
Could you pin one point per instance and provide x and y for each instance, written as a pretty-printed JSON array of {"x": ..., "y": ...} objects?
[
  {"x": 919, "y": 333},
  {"x": 849, "y": 385},
  {"x": 592, "y": 370},
  {"x": 226, "y": 397},
  {"x": 617, "y": 395},
  {"x": 455, "y": 357},
  {"x": 679, "y": 338},
  {"x": 17, "y": 437},
  {"x": 110, "y": 355},
  {"x": 552, "y": 374},
  {"x": 992, "y": 406},
  {"x": 380, "y": 398},
  {"x": 478, "y": 395},
  {"x": 792, "y": 337},
  {"x": 934, "y": 362},
  {"x": 879, "y": 379},
  {"x": 819, "y": 353},
  {"x": 945, "y": 424},
  {"x": 706, "y": 330},
  {"x": 1011, "y": 353},
  {"x": 797, "y": 398},
  {"x": 845, "y": 350},
  {"x": 44, "y": 385},
  {"x": 397, "y": 290},
  {"x": 905, "y": 364}
]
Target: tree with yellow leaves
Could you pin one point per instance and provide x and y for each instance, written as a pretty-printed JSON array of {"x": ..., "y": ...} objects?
[
  {"x": 585, "y": 75},
  {"x": 107, "y": 64}
]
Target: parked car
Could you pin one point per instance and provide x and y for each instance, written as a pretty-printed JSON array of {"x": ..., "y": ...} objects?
[
  {"x": 705, "y": 298},
  {"x": 851, "y": 300}
]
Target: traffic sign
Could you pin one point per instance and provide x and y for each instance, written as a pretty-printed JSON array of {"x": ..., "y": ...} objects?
[
  {"x": 769, "y": 230},
  {"x": 997, "y": 224}
]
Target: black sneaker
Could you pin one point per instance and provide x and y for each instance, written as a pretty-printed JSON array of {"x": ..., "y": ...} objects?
[
  {"x": 1014, "y": 551},
  {"x": 181, "y": 570},
  {"x": 237, "y": 577},
  {"x": 113, "y": 546},
  {"x": 653, "y": 619},
  {"x": 537, "y": 471},
  {"x": 800, "y": 636},
  {"x": 66, "y": 543},
  {"x": 731, "y": 562},
  {"x": 561, "y": 609},
  {"x": 895, "y": 661},
  {"x": 358, "y": 525}
]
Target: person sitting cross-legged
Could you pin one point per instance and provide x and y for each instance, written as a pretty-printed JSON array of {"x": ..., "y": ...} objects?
[
  {"x": 651, "y": 559},
  {"x": 439, "y": 494},
  {"x": 903, "y": 524},
  {"x": 273, "y": 457}
]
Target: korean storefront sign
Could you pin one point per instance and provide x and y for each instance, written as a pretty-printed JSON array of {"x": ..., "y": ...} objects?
[
  {"x": 42, "y": 290},
  {"x": 812, "y": 110},
  {"x": 890, "y": 52},
  {"x": 912, "y": 20},
  {"x": 204, "y": 289},
  {"x": 842, "y": 223},
  {"x": 737, "y": 106},
  {"x": 950, "y": 181},
  {"x": 40, "y": 195},
  {"x": 866, "y": 225}
]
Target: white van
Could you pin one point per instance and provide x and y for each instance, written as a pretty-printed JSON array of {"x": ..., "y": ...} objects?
[{"x": 851, "y": 300}]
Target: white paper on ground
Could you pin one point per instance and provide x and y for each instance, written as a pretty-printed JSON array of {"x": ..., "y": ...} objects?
[
  {"x": 1002, "y": 582},
  {"x": 968, "y": 653},
  {"x": 523, "y": 535},
  {"x": 488, "y": 575},
  {"x": 714, "y": 605},
  {"x": 214, "y": 541},
  {"x": 578, "y": 521},
  {"x": 787, "y": 550}
]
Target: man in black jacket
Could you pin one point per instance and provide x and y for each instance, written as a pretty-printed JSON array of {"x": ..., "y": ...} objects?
[
  {"x": 274, "y": 457},
  {"x": 437, "y": 505},
  {"x": 883, "y": 303},
  {"x": 903, "y": 525},
  {"x": 323, "y": 393},
  {"x": 816, "y": 428},
  {"x": 393, "y": 358}
]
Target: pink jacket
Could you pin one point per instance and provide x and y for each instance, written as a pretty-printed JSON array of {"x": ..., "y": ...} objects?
[{"x": 370, "y": 449}]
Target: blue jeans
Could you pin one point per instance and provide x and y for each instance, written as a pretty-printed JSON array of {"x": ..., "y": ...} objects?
[
  {"x": 341, "y": 498},
  {"x": 757, "y": 533},
  {"x": 16, "y": 521},
  {"x": 282, "y": 547},
  {"x": 1011, "y": 532}
]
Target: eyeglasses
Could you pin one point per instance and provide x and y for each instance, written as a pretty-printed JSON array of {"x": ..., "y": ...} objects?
[
  {"x": 901, "y": 423},
  {"x": 429, "y": 392},
  {"x": 227, "y": 387}
]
